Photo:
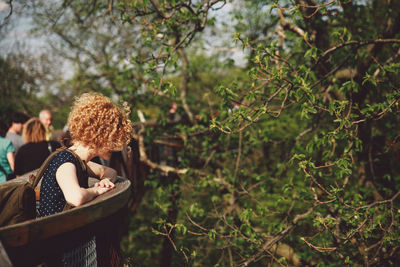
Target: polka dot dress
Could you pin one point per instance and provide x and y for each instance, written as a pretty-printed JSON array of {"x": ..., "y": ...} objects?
[{"x": 52, "y": 199}]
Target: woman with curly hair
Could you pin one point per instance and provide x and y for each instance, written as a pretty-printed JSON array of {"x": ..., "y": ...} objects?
[{"x": 97, "y": 128}]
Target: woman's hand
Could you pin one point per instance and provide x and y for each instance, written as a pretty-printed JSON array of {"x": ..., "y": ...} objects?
[
  {"x": 101, "y": 171},
  {"x": 98, "y": 190},
  {"x": 105, "y": 183},
  {"x": 73, "y": 193}
]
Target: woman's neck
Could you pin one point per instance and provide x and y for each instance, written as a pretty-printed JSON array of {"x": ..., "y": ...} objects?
[{"x": 84, "y": 152}]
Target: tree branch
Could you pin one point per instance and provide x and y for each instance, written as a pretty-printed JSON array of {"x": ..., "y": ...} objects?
[
  {"x": 7, "y": 18},
  {"x": 184, "y": 82},
  {"x": 143, "y": 156},
  {"x": 289, "y": 26},
  {"x": 356, "y": 43},
  {"x": 278, "y": 237},
  {"x": 238, "y": 156}
]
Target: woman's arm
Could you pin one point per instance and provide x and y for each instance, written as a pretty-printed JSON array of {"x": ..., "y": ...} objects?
[
  {"x": 73, "y": 193},
  {"x": 11, "y": 159},
  {"x": 102, "y": 172}
]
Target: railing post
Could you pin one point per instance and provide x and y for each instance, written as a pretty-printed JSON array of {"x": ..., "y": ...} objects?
[{"x": 108, "y": 238}]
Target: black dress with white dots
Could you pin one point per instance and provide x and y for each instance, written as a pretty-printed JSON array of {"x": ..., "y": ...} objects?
[{"x": 52, "y": 199}]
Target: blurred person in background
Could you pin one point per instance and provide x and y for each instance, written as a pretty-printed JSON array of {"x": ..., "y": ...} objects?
[
  {"x": 46, "y": 118},
  {"x": 6, "y": 155},
  {"x": 17, "y": 121},
  {"x": 36, "y": 149}
]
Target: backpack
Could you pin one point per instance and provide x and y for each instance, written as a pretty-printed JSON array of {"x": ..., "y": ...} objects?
[
  {"x": 17, "y": 202},
  {"x": 18, "y": 197}
]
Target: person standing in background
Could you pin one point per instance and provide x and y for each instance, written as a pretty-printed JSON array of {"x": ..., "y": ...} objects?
[
  {"x": 17, "y": 123},
  {"x": 35, "y": 150},
  {"x": 46, "y": 118},
  {"x": 6, "y": 155}
]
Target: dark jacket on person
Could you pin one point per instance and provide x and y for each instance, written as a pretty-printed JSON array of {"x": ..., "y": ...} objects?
[{"x": 31, "y": 156}]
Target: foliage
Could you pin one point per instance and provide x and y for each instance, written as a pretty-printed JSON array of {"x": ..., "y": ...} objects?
[
  {"x": 17, "y": 89},
  {"x": 299, "y": 164}
]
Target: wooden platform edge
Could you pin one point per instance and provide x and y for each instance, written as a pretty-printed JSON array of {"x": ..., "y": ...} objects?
[{"x": 23, "y": 233}]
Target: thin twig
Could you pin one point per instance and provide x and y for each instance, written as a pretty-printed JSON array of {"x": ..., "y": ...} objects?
[
  {"x": 356, "y": 43},
  {"x": 238, "y": 156},
  {"x": 6, "y": 19}
]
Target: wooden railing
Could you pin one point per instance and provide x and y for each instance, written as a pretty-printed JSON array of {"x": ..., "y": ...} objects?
[{"x": 35, "y": 241}]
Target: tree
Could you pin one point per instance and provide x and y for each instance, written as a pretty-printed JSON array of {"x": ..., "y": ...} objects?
[
  {"x": 321, "y": 92},
  {"x": 27, "y": 71},
  {"x": 16, "y": 87},
  {"x": 328, "y": 69}
]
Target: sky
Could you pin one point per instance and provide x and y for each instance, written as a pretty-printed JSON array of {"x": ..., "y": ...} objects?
[
  {"x": 3, "y": 6},
  {"x": 16, "y": 29},
  {"x": 21, "y": 25}
]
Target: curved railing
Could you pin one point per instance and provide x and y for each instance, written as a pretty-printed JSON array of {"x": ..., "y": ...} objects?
[{"x": 35, "y": 241}]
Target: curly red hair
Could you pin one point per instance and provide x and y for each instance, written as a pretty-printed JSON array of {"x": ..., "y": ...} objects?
[{"x": 96, "y": 122}]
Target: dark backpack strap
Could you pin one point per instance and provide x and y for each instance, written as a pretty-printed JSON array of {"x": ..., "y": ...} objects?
[
  {"x": 35, "y": 179},
  {"x": 3, "y": 170},
  {"x": 81, "y": 171}
]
